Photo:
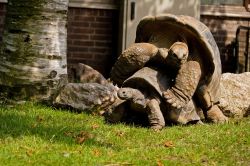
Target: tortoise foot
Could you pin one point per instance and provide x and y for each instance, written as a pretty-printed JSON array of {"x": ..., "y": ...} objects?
[
  {"x": 173, "y": 99},
  {"x": 155, "y": 116},
  {"x": 199, "y": 123},
  {"x": 215, "y": 115},
  {"x": 186, "y": 83},
  {"x": 106, "y": 101}
]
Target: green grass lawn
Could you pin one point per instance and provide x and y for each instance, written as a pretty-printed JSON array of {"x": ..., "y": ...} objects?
[{"x": 33, "y": 134}]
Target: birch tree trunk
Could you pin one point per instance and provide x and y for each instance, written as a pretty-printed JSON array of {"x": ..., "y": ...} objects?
[{"x": 33, "y": 61}]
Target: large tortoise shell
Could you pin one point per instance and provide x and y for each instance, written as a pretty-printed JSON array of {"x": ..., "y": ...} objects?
[{"x": 164, "y": 30}]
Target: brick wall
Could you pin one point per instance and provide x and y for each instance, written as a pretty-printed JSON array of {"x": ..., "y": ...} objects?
[
  {"x": 92, "y": 38},
  {"x": 243, "y": 49},
  {"x": 223, "y": 22}
]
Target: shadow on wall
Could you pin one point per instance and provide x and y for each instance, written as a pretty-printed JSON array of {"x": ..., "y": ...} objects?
[
  {"x": 178, "y": 7},
  {"x": 219, "y": 29}
]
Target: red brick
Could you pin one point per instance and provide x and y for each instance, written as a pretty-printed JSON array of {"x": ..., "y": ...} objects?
[
  {"x": 103, "y": 31},
  {"x": 83, "y": 30},
  {"x": 84, "y": 18},
  {"x": 98, "y": 50},
  {"x": 101, "y": 25},
  {"x": 76, "y": 61},
  {"x": 69, "y": 41},
  {"x": 78, "y": 36},
  {"x": 85, "y": 12},
  {"x": 99, "y": 37},
  {"x": 109, "y": 13},
  {"x": 103, "y": 44},
  {"x": 79, "y": 24},
  {"x": 83, "y": 43},
  {"x": 2, "y": 6},
  {"x": 82, "y": 55},
  {"x": 103, "y": 19},
  {"x": 77, "y": 49},
  {"x": 102, "y": 12}
]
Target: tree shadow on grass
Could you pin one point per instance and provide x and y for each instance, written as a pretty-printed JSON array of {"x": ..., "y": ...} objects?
[{"x": 18, "y": 124}]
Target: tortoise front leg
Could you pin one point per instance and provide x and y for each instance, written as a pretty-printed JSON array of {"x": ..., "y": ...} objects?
[
  {"x": 215, "y": 115},
  {"x": 185, "y": 85},
  {"x": 155, "y": 116}
]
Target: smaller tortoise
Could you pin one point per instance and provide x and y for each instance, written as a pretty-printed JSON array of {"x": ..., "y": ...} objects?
[
  {"x": 143, "y": 91},
  {"x": 183, "y": 47}
]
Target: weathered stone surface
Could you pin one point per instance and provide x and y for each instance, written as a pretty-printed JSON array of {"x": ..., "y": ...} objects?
[
  {"x": 235, "y": 94},
  {"x": 86, "y": 96}
]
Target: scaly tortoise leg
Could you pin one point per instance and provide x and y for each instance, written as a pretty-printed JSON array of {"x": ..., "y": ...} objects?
[
  {"x": 186, "y": 82},
  {"x": 210, "y": 109},
  {"x": 155, "y": 116},
  {"x": 215, "y": 115}
]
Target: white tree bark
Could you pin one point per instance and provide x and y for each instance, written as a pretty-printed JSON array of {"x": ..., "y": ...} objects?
[{"x": 33, "y": 60}]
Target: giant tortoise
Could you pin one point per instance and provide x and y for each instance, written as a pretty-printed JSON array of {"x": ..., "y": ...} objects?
[
  {"x": 143, "y": 91},
  {"x": 183, "y": 47}
]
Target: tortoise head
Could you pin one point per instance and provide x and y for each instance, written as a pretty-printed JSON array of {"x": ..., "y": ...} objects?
[
  {"x": 127, "y": 93},
  {"x": 177, "y": 54}
]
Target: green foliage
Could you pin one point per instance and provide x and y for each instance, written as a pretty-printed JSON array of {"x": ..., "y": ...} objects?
[{"x": 32, "y": 134}]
